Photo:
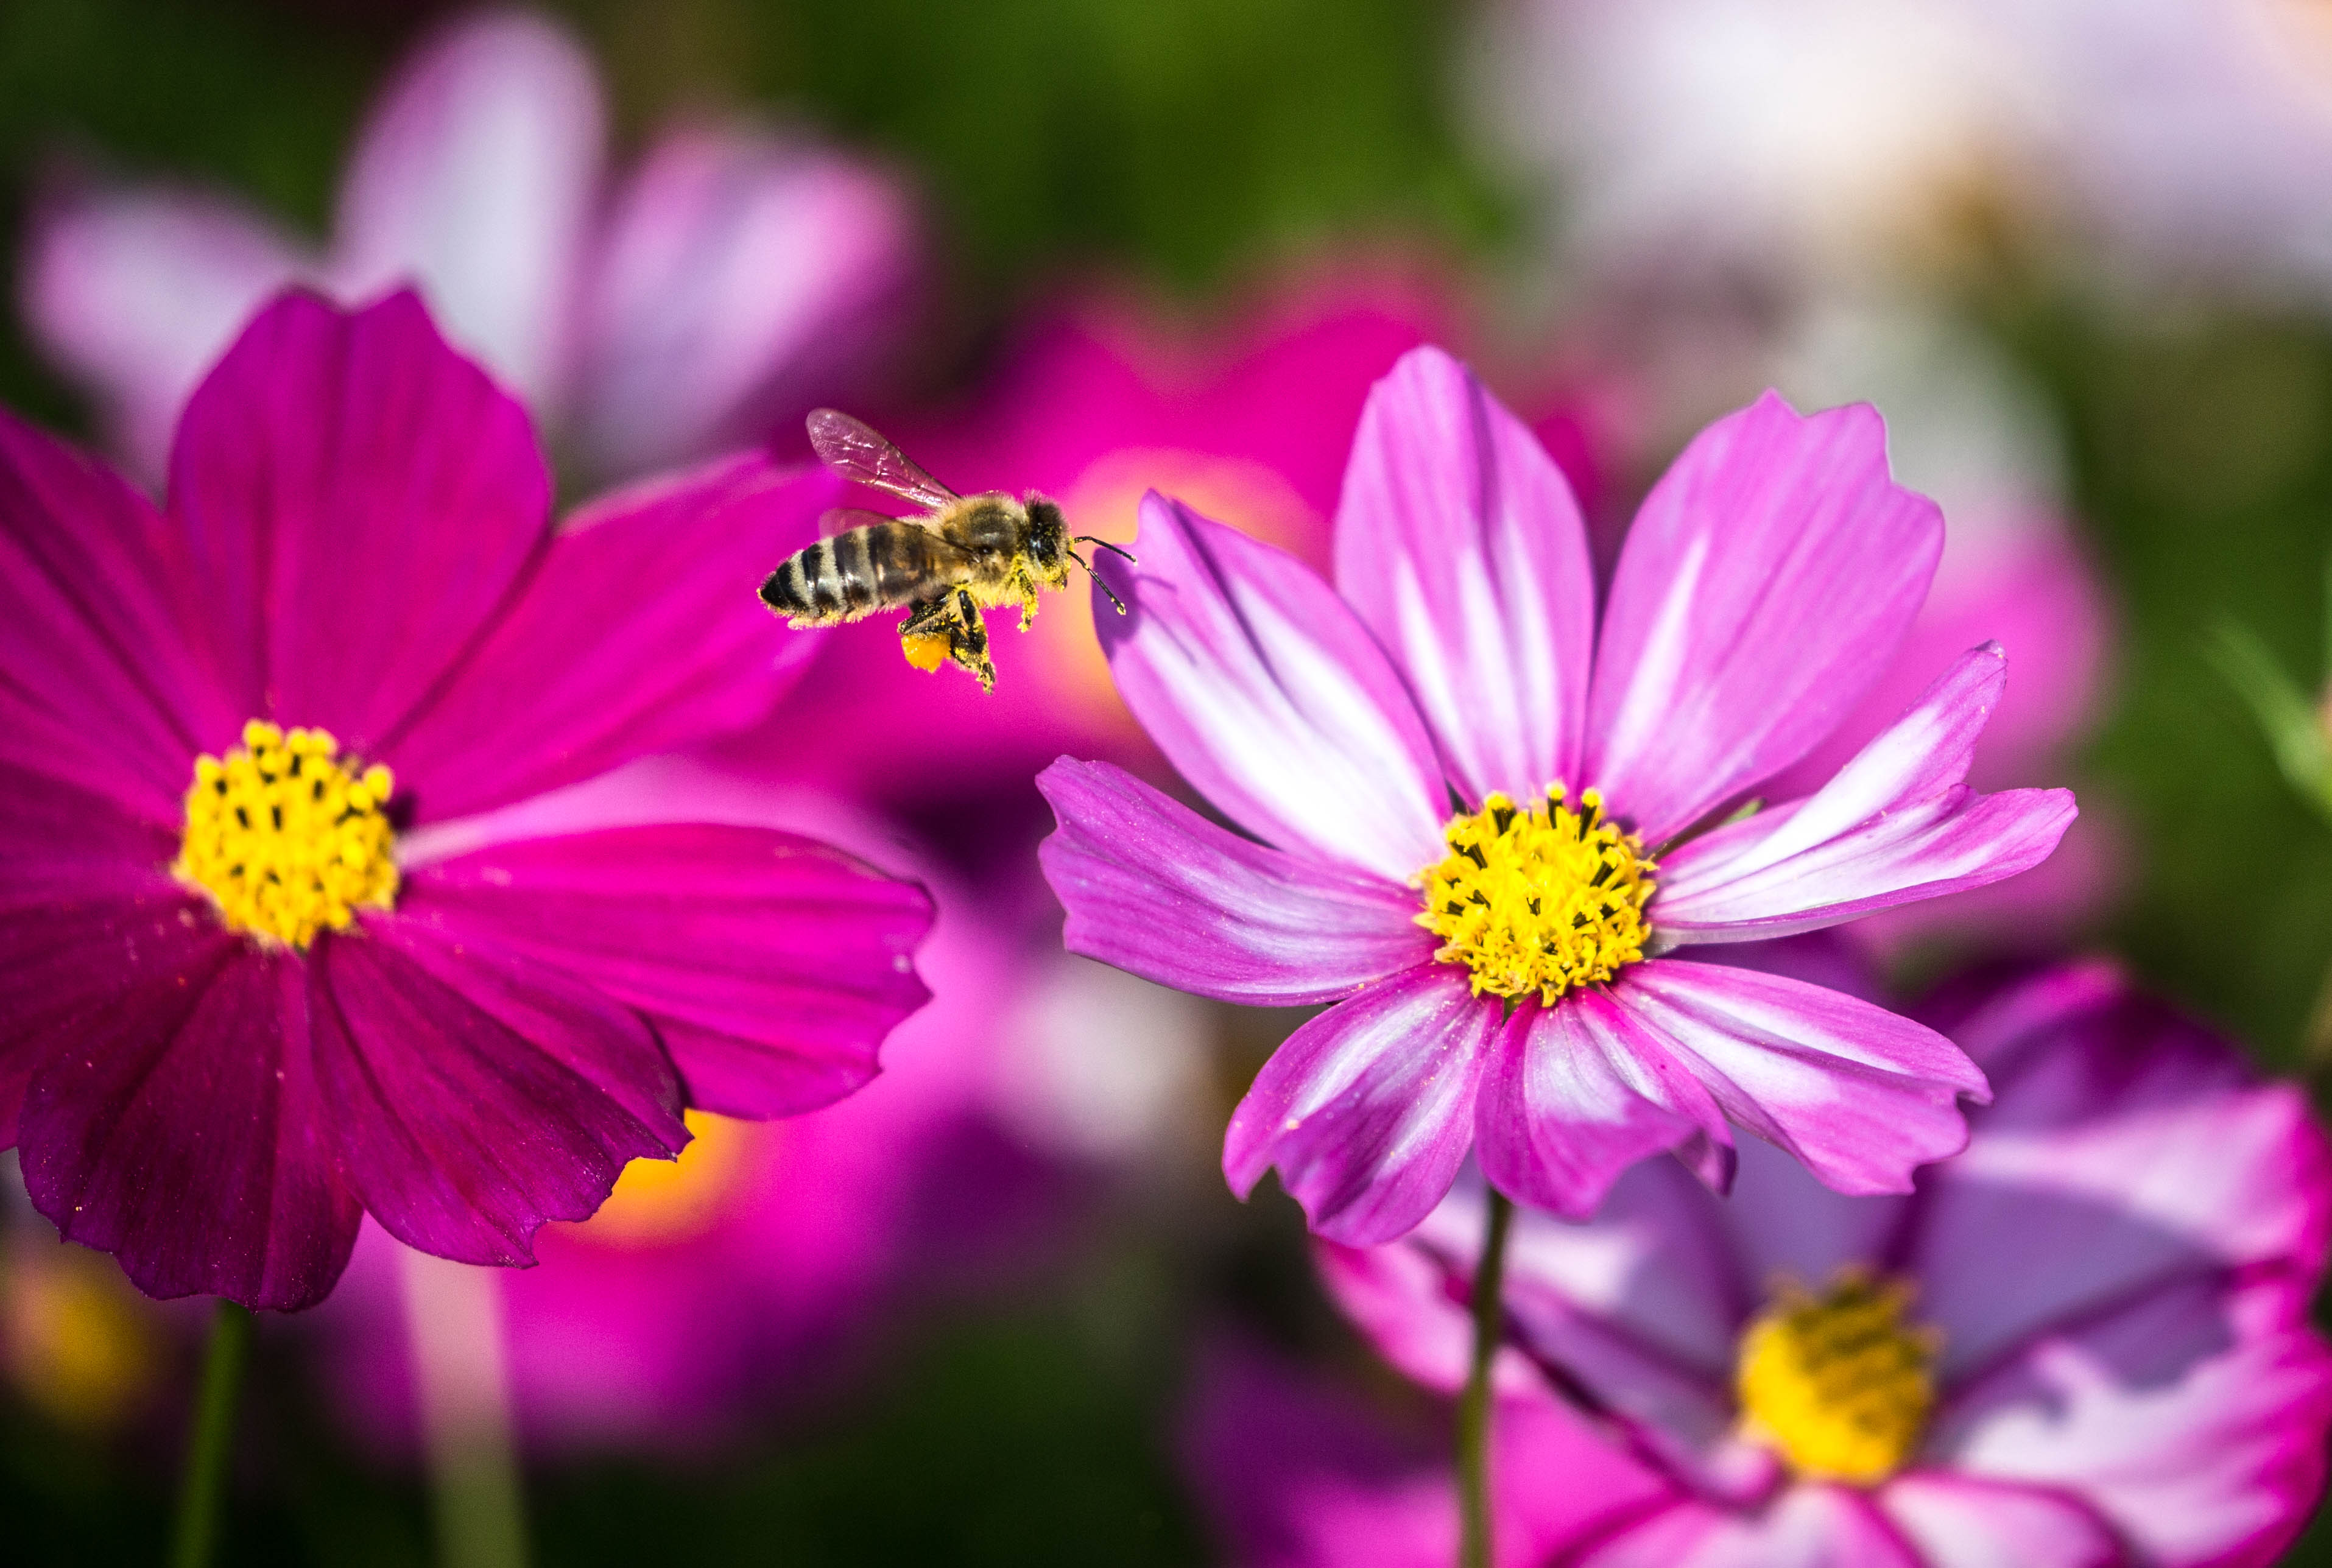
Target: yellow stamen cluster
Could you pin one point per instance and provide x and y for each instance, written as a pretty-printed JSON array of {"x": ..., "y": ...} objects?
[
  {"x": 1545, "y": 900},
  {"x": 286, "y": 837},
  {"x": 1839, "y": 1383}
]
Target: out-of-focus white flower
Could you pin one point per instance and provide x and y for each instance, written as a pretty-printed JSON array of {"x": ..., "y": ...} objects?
[
  {"x": 1101, "y": 1066},
  {"x": 729, "y": 282},
  {"x": 1806, "y": 134},
  {"x": 1828, "y": 140}
]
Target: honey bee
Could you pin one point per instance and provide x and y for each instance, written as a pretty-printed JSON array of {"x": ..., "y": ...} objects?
[{"x": 965, "y": 554}]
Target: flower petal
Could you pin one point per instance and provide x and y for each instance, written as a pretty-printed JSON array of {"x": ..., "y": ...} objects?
[
  {"x": 1579, "y": 1092},
  {"x": 1637, "y": 1314},
  {"x": 1780, "y": 1222},
  {"x": 638, "y": 632},
  {"x": 740, "y": 277},
  {"x": 771, "y": 966},
  {"x": 2021, "y": 581},
  {"x": 1155, "y": 888},
  {"x": 180, "y": 1127},
  {"x": 60, "y": 845},
  {"x": 1413, "y": 1300},
  {"x": 2128, "y": 1147},
  {"x": 1303, "y": 1474},
  {"x": 1807, "y": 1526},
  {"x": 1897, "y": 824},
  {"x": 1458, "y": 542},
  {"x": 1768, "y": 578},
  {"x": 357, "y": 501},
  {"x": 1959, "y": 1522},
  {"x": 1268, "y": 693},
  {"x": 134, "y": 292},
  {"x": 2194, "y": 1422},
  {"x": 474, "y": 1097},
  {"x": 475, "y": 177},
  {"x": 1368, "y": 1109},
  {"x": 1861, "y": 1094},
  {"x": 106, "y": 685}
]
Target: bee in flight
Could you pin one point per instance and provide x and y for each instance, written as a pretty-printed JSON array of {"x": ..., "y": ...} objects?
[{"x": 964, "y": 554}]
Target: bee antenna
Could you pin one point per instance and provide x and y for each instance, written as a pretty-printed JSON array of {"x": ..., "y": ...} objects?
[
  {"x": 1089, "y": 539},
  {"x": 1096, "y": 579}
]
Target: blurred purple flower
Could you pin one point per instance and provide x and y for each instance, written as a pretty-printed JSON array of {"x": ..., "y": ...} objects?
[
  {"x": 1768, "y": 578},
  {"x": 242, "y": 1010},
  {"x": 1296, "y": 1470},
  {"x": 734, "y": 279},
  {"x": 2106, "y": 1294}
]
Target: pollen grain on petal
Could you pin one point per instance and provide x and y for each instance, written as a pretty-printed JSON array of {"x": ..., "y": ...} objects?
[
  {"x": 1541, "y": 899},
  {"x": 288, "y": 837}
]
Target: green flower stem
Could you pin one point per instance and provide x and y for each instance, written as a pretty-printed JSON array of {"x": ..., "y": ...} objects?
[
  {"x": 211, "y": 1446},
  {"x": 454, "y": 1319},
  {"x": 1473, "y": 1404}
]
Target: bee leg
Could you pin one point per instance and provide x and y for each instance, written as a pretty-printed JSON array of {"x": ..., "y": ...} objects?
[
  {"x": 969, "y": 644},
  {"x": 925, "y": 636},
  {"x": 1027, "y": 586}
]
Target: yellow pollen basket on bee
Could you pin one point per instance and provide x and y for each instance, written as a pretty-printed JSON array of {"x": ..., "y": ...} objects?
[
  {"x": 1839, "y": 1383},
  {"x": 288, "y": 837},
  {"x": 1544, "y": 900}
]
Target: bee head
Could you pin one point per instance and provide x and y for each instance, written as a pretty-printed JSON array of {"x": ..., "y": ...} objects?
[{"x": 1048, "y": 535}]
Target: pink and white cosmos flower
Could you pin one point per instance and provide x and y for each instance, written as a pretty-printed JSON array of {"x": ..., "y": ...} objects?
[
  {"x": 1520, "y": 978},
  {"x": 726, "y": 283},
  {"x": 2104, "y": 1301}
]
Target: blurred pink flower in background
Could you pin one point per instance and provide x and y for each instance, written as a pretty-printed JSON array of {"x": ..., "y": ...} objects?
[
  {"x": 2108, "y": 1291},
  {"x": 733, "y": 277},
  {"x": 761, "y": 1269}
]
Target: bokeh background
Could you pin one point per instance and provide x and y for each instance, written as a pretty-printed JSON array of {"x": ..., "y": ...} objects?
[{"x": 2080, "y": 253}]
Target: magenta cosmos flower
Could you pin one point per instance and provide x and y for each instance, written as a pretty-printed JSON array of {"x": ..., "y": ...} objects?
[
  {"x": 732, "y": 279},
  {"x": 2084, "y": 1341},
  {"x": 260, "y": 979},
  {"x": 1515, "y": 977}
]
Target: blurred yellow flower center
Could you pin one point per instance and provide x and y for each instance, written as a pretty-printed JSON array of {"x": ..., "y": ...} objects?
[
  {"x": 1839, "y": 1383},
  {"x": 78, "y": 1342},
  {"x": 287, "y": 837},
  {"x": 1543, "y": 900},
  {"x": 657, "y": 1201}
]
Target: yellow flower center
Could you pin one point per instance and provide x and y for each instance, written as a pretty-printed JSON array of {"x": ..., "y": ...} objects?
[
  {"x": 657, "y": 1201},
  {"x": 287, "y": 837},
  {"x": 1545, "y": 900},
  {"x": 1839, "y": 1383}
]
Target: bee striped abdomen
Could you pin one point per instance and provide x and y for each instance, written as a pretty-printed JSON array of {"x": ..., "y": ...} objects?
[{"x": 878, "y": 567}]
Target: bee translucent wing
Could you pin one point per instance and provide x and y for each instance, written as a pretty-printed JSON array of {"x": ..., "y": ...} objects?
[
  {"x": 853, "y": 449},
  {"x": 836, "y": 520}
]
